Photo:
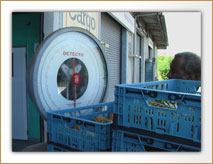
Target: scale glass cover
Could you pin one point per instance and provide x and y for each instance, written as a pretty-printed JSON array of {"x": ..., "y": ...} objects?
[{"x": 68, "y": 70}]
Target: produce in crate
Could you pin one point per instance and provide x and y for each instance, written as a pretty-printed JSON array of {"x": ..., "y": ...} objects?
[
  {"x": 101, "y": 119},
  {"x": 77, "y": 127},
  {"x": 163, "y": 104},
  {"x": 169, "y": 109},
  {"x": 111, "y": 116}
]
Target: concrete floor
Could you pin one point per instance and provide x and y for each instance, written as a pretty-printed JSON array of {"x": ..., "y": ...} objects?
[
  {"x": 28, "y": 145},
  {"x": 36, "y": 146}
]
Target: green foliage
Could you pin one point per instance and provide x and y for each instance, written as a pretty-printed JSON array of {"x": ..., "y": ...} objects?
[{"x": 163, "y": 66}]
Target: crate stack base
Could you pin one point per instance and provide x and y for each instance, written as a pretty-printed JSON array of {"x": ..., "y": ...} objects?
[
  {"x": 125, "y": 140},
  {"x": 75, "y": 128},
  {"x": 169, "y": 109},
  {"x": 54, "y": 147}
]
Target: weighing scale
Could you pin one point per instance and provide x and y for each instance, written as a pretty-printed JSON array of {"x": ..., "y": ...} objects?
[{"x": 68, "y": 70}]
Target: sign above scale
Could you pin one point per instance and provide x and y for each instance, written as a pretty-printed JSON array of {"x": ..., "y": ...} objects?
[{"x": 68, "y": 70}]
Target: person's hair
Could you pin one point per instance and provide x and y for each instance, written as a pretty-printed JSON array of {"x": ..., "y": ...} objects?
[{"x": 192, "y": 63}]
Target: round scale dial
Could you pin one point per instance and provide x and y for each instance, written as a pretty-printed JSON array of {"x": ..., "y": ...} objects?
[{"x": 69, "y": 70}]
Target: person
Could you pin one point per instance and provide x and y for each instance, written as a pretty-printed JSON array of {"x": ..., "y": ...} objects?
[{"x": 185, "y": 65}]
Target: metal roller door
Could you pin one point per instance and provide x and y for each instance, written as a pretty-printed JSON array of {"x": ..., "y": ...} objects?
[{"x": 111, "y": 35}]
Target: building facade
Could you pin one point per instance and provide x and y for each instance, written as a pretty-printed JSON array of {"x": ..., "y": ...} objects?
[{"x": 130, "y": 41}]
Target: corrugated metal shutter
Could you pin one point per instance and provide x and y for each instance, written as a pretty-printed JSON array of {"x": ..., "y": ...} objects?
[{"x": 111, "y": 34}]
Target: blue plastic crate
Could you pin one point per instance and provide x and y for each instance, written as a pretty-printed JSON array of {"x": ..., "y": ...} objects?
[
  {"x": 135, "y": 106},
  {"x": 76, "y": 129},
  {"x": 124, "y": 141}
]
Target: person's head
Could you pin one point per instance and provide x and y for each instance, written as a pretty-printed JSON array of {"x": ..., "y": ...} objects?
[{"x": 185, "y": 65}]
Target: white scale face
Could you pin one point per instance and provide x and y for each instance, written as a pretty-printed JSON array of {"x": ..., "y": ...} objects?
[{"x": 70, "y": 72}]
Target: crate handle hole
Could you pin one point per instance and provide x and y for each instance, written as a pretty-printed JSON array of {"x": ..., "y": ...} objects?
[
  {"x": 178, "y": 127},
  {"x": 149, "y": 141},
  {"x": 152, "y": 94}
]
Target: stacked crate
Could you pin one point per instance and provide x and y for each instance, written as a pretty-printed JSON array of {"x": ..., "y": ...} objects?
[
  {"x": 78, "y": 129},
  {"x": 157, "y": 116}
]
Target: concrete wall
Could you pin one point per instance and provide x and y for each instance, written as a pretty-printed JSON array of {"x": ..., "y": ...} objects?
[{"x": 52, "y": 22}]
